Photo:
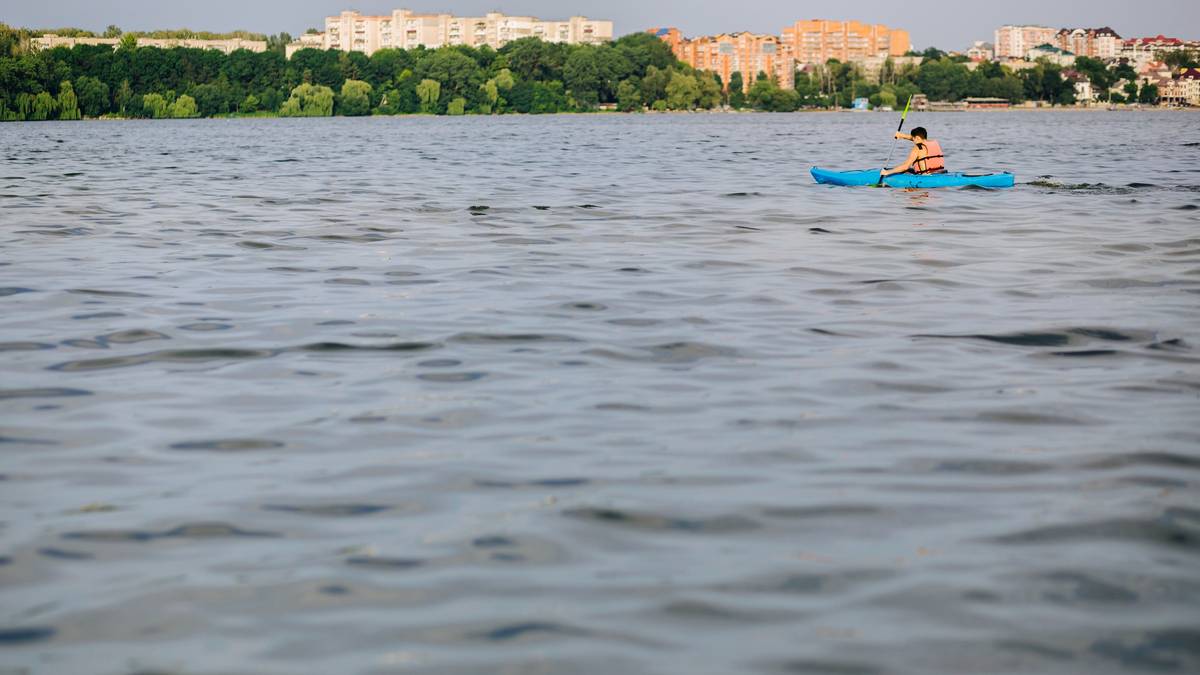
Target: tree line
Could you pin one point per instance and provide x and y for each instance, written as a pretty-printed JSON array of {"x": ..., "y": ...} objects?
[
  {"x": 634, "y": 73},
  {"x": 526, "y": 76}
]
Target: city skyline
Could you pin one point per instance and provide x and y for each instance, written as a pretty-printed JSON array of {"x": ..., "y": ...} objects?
[{"x": 931, "y": 23}]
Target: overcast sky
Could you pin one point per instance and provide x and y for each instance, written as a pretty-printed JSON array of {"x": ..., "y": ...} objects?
[{"x": 941, "y": 23}]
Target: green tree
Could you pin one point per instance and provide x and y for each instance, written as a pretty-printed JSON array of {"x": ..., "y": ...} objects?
[
  {"x": 710, "y": 90},
  {"x": 458, "y": 74},
  {"x": 1148, "y": 94},
  {"x": 93, "y": 96},
  {"x": 683, "y": 92},
  {"x": 654, "y": 84},
  {"x": 68, "y": 103},
  {"x": 767, "y": 96},
  {"x": 504, "y": 79},
  {"x": 184, "y": 107},
  {"x": 155, "y": 106},
  {"x": 1185, "y": 58},
  {"x": 429, "y": 91},
  {"x": 124, "y": 98},
  {"x": 942, "y": 79},
  {"x": 582, "y": 76},
  {"x": 737, "y": 91},
  {"x": 356, "y": 98},
  {"x": 278, "y": 43},
  {"x": 389, "y": 103},
  {"x": 642, "y": 50},
  {"x": 308, "y": 100},
  {"x": 214, "y": 98},
  {"x": 249, "y": 104},
  {"x": 629, "y": 96},
  {"x": 533, "y": 60},
  {"x": 548, "y": 97},
  {"x": 1097, "y": 72},
  {"x": 457, "y": 107},
  {"x": 129, "y": 43},
  {"x": 491, "y": 94}
]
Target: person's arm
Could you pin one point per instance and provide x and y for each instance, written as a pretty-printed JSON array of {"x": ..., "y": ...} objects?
[
  {"x": 900, "y": 136},
  {"x": 912, "y": 159}
]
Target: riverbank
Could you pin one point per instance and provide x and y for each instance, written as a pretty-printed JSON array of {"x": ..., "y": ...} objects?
[{"x": 1022, "y": 109}]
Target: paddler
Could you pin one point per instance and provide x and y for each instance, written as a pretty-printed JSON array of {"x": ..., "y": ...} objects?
[{"x": 926, "y": 156}]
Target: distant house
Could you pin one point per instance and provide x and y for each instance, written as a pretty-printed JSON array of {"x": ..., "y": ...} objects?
[
  {"x": 1084, "y": 92},
  {"x": 1183, "y": 89},
  {"x": 982, "y": 51},
  {"x": 987, "y": 103},
  {"x": 1053, "y": 54}
]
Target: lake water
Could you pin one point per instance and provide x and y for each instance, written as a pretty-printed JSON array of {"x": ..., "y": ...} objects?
[{"x": 598, "y": 394}]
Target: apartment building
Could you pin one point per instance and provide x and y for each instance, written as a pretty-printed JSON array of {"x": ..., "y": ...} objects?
[
  {"x": 1014, "y": 42},
  {"x": 804, "y": 42},
  {"x": 745, "y": 53},
  {"x": 51, "y": 41},
  {"x": 403, "y": 29},
  {"x": 1098, "y": 43},
  {"x": 1183, "y": 89},
  {"x": 1141, "y": 51},
  {"x": 817, "y": 41}
]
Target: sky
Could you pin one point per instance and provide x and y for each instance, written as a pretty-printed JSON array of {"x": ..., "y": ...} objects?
[{"x": 950, "y": 25}]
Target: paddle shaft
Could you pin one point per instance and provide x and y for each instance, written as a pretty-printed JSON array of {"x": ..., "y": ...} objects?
[{"x": 898, "y": 130}]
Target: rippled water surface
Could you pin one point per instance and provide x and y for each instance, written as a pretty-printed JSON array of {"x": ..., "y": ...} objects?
[{"x": 598, "y": 394}]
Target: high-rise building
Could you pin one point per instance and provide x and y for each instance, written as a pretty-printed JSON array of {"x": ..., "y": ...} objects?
[
  {"x": 817, "y": 41},
  {"x": 745, "y": 53},
  {"x": 404, "y": 29},
  {"x": 1098, "y": 43},
  {"x": 805, "y": 42},
  {"x": 1014, "y": 42}
]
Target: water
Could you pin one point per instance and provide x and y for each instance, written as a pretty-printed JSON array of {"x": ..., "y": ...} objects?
[{"x": 598, "y": 394}]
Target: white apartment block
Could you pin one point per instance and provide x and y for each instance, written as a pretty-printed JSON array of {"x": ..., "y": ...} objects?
[
  {"x": 51, "y": 41},
  {"x": 403, "y": 29},
  {"x": 1013, "y": 42}
]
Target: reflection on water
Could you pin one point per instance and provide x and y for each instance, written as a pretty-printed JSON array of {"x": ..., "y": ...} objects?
[{"x": 596, "y": 394}]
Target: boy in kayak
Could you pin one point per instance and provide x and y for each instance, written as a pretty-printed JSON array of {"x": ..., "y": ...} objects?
[{"x": 926, "y": 156}]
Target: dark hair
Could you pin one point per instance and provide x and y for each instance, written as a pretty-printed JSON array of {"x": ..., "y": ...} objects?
[{"x": 920, "y": 131}]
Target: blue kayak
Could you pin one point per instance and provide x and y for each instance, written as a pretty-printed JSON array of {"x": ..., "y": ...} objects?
[{"x": 908, "y": 180}]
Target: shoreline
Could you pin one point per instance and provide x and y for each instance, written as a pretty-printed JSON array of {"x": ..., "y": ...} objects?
[{"x": 668, "y": 113}]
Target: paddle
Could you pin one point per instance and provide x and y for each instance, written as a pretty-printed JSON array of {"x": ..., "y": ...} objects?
[{"x": 898, "y": 130}]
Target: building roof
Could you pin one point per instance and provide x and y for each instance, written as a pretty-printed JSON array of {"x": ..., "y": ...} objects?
[
  {"x": 1051, "y": 49},
  {"x": 1161, "y": 39},
  {"x": 1098, "y": 32}
]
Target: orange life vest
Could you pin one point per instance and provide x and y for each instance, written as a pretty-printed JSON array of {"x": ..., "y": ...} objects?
[{"x": 933, "y": 161}]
